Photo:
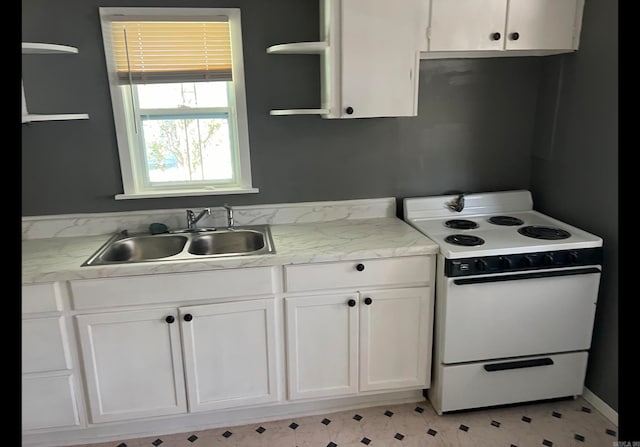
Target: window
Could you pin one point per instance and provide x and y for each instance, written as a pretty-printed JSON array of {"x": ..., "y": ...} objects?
[{"x": 177, "y": 88}]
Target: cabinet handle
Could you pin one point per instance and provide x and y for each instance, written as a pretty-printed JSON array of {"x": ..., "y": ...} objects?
[
  {"x": 368, "y": 301},
  {"x": 515, "y": 36},
  {"x": 349, "y": 110},
  {"x": 188, "y": 317},
  {"x": 170, "y": 319},
  {"x": 360, "y": 267},
  {"x": 351, "y": 302},
  {"x": 496, "y": 36}
]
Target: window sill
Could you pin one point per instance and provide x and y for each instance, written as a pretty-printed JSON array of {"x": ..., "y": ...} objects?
[{"x": 186, "y": 193}]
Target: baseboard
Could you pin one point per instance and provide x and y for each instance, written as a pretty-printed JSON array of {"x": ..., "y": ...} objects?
[
  {"x": 600, "y": 405},
  {"x": 113, "y": 431}
]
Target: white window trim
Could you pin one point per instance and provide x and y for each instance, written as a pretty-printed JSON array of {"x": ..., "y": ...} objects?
[{"x": 135, "y": 189}]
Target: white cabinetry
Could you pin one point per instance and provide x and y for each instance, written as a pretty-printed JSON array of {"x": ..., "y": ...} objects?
[
  {"x": 133, "y": 364},
  {"x": 181, "y": 358},
  {"x": 369, "y": 59},
  {"x": 229, "y": 353},
  {"x": 484, "y": 27},
  {"x": 368, "y": 338},
  {"x": 47, "y": 48},
  {"x": 48, "y": 379}
]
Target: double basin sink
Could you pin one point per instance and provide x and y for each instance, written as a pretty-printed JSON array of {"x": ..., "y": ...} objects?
[{"x": 124, "y": 248}]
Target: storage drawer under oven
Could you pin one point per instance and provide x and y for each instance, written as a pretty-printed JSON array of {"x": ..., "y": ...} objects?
[
  {"x": 499, "y": 382},
  {"x": 492, "y": 317}
]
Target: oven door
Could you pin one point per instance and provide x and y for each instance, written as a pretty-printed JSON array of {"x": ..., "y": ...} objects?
[{"x": 517, "y": 314}]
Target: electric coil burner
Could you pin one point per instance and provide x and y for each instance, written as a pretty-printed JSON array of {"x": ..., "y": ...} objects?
[
  {"x": 466, "y": 240},
  {"x": 461, "y": 224},
  {"x": 547, "y": 233},
  {"x": 509, "y": 221},
  {"x": 516, "y": 294}
]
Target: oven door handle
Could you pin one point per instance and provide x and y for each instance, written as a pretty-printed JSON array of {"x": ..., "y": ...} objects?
[
  {"x": 519, "y": 364},
  {"x": 530, "y": 275}
]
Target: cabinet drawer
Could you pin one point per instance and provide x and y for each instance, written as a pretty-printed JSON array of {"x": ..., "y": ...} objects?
[
  {"x": 41, "y": 298},
  {"x": 44, "y": 345},
  {"x": 169, "y": 287},
  {"x": 48, "y": 402},
  {"x": 471, "y": 385},
  {"x": 410, "y": 270}
]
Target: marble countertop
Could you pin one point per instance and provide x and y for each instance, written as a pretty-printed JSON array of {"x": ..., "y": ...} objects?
[{"x": 59, "y": 258}]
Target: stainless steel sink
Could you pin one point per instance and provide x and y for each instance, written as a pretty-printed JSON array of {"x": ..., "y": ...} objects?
[
  {"x": 237, "y": 241},
  {"x": 142, "y": 248},
  {"x": 124, "y": 248}
]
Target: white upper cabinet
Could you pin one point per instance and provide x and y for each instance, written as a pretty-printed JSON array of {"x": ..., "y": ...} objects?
[
  {"x": 369, "y": 59},
  {"x": 378, "y": 60},
  {"x": 487, "y": 28},
  {"x": 542, "y": 25}
]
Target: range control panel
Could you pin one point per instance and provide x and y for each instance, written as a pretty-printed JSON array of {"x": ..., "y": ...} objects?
[{"x": 518, "y": 262}]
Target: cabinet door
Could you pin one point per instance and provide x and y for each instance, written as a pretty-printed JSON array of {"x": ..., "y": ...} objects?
[
  {"x": 467, "y": 25},
  {"x": 322, "y": 343},
  {"x": 44, "y": 345},
  {"x": 49, "y": 401},
  {"x": 133, "y": 364},
  {"x": 541, "y": 24},
  {"x": 395, "y": 338},
  {"x": 229, "y": 351},
  {"x": 379, "y": 58}
]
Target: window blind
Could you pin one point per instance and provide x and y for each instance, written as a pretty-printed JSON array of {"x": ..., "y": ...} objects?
[{"x": 148, "y": 52}]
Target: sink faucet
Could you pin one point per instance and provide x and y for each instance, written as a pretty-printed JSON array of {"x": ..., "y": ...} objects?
[
  {"x": 192, "y": 219},
  {"x": 229, "y": 209}
]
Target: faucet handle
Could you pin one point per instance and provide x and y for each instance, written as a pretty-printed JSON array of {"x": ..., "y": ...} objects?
[{"x": 230, "y": 221}]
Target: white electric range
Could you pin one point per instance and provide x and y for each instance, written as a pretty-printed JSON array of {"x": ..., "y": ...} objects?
[{"x": 516, "y": 294}]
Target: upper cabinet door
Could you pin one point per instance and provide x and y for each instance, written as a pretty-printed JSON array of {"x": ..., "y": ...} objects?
[
  {"x": 541, "y": 24},
  {"x": 379, "y": 58},
  {"x": 467, "y": 25}
]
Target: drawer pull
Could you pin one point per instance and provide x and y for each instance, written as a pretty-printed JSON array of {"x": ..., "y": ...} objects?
[
  {"x": 360, "y": 267},
  {"x": 170, "y": 319},
  {"x": 519, "y": 364},
  {"x": 368, "y": 301},
  {"x": 351, "y": 303}
]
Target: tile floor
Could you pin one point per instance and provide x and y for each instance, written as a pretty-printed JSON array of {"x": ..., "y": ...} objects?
[{"x": 559, "y": 423}]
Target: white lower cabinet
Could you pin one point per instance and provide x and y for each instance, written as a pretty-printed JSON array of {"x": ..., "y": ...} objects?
[
  {"x": 49, "y": 386},
  {"x": 133, "y": 364},
  {"x": 134, "y": 359},
  {"x": 395, "y": 338},
  {"x": 189, "y": 348},
  {"x": 229, "y": 354},
  {"x": 353, "y": 342},
  {"x": 322, "y": 345},
  {"x": 49, "y": 402}
]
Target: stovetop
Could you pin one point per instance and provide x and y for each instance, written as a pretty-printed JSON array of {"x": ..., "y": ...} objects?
[{"x": 492, "y": 224}]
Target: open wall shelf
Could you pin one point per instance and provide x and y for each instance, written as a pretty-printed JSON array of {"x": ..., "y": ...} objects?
[{"x": 47, "y": 48}]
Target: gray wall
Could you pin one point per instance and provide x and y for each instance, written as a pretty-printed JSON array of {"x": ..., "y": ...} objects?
[
  {"x": 575, "y": 166},
  {"x": 473, "y": 131},
  {"x": 545, "y": 124}
]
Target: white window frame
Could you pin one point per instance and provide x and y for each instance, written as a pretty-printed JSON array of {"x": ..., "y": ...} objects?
[{"x": 133, "y": 175}]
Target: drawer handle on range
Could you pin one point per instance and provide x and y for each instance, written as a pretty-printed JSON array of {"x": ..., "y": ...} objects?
[
  {"x": 519, "y": 364},
  {"x": 532, "y": 275}
]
